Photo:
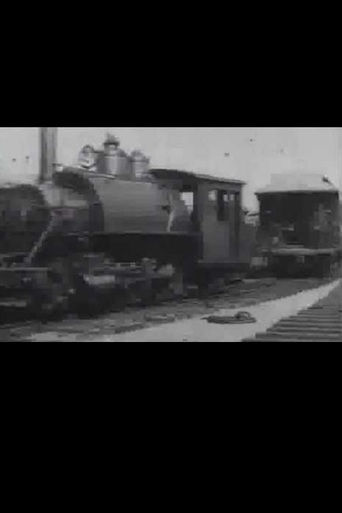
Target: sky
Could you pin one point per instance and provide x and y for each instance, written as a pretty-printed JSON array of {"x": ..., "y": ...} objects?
[{"x": 248, "y": 154}]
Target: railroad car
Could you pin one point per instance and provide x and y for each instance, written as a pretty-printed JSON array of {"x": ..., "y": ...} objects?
[
  {"x": 299, "y": 229},
  {"x": 111, "y": 229}
]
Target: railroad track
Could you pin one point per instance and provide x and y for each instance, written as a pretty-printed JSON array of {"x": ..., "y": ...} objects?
[
  {"x": 239, "y": 295},
  {"x": 322, "y": 322}
]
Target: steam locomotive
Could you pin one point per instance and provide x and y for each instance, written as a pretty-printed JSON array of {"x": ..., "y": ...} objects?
[{"x": 110, "y": 231}]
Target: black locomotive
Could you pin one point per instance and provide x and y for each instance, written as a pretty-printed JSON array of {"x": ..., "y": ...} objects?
[{"x": 110, "y": 229}]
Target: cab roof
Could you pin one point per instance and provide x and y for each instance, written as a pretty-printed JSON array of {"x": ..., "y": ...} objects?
[{"x": 165, "y": 173}]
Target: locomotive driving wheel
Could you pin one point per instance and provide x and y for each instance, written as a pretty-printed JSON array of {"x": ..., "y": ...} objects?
[{"x": 50, "y": 301}]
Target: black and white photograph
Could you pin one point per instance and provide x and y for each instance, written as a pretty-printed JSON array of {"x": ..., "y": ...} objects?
[{"x": 166, "y": 234}]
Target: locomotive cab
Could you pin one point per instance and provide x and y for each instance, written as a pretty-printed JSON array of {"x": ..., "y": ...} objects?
[{"x": 214, "y": 207}]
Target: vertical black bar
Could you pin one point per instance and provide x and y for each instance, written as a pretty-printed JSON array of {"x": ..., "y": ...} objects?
[
  {"x": 237, "y": 223},
  {"x": 48, "y": 152}
]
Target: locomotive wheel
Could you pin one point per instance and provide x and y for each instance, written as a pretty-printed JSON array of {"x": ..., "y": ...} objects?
[
  {"x": 132, "y": 297},
  {"x": 147, "y": 294},
  {"x": 321, "y": 267},
  {"x": 88, "y": 301},
  {"x": 117, "y": 302},
  {"x": 85, "y": 302},
  {"x": 203, "y": 280},
  {"x": 49, "y": 303}
]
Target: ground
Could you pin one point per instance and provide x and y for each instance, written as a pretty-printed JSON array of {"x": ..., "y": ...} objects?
[{"x": 179, "y": 318}]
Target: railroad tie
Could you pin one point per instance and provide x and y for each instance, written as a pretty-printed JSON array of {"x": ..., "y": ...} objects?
[{"x": 322, "y": 322}]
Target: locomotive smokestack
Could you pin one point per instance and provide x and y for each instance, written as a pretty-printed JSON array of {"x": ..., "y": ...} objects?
[{"x": 48, "y": 153}]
